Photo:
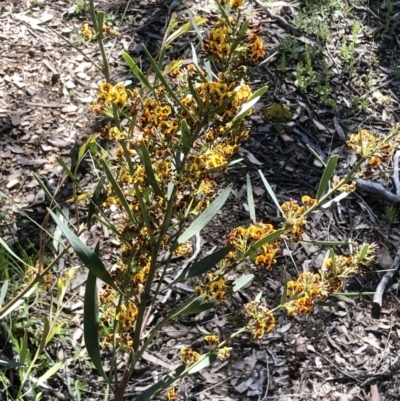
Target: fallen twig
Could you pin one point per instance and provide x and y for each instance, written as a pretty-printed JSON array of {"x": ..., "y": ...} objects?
[
  {"x": 385, "y": 282},
  {"x": 378, "y": 189},
  {"x": 286, "y": 24}
]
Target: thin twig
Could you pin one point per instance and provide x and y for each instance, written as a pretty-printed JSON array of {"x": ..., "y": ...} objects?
[
  {"x": 287, "y": 25},
  {"x": 385, "y": 282}
]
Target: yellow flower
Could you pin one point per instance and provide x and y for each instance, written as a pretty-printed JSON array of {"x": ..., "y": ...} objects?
[
  {"x": 224, "y": 353},
  {"x": 171, "y": 395},
  {"x": 212, "y": 339},
  {"x": 87, "y": 32},
  {"x": 308, "y": 201},
  {"x": 237, "y": 3},
  {"x": 189, "y": 356}
]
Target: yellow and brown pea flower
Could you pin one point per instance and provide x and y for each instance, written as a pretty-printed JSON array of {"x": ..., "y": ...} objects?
[
  {"x": 261, "y": 319},
  {"x": 189, "y": 356}
]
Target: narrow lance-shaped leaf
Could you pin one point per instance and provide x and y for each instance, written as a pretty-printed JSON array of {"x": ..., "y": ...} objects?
[
  {"x": 53, "y": 370},
  {"x": 160, "y": 76},
  {"x": 205, "y": 362},
  {"x": 240, "y": 36},
  {"x": 95, "y": 200},
  {"x": 364, "y": 251},
  {"x": 316, "y": 155},
  {"x": 118, "y": 191},
  {"x": 250, "y": 200},
  {"x": 249, "y": 104},
  {"x": 136, "y": 70},
  {"x": 91, "y": 323},
  {"x": 331, "y": 254},
  {"x": 195, "y": 94},
  {"x": 270, "y": 191},
  {"x": 195, "y": 27},
  {"x": 185, "y": 28},
  {"x": 206, "y": 216},
  {"x": 4, "y": 312},
  {"x": 9, "y": 251},
  {"x": 85, "y": 254},
  {"x": 241, "y": 282},
  {"x": 327, "y": 175},
  {"x": 266, "y": 240},
  {"x": 8, "y": 363},
  {"x": 3, "y": 292},
  {"x": 186, "y": 141},
  {"x": 197, "y": 306},
  {"x": 204, "y": 265},
  {"x": 284, "y": 292},
  {"x": 149, "y": 169},
  {"x": 165, "y": 382}
]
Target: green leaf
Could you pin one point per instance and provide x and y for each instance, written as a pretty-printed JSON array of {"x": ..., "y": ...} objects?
[
  {"x": 265, "y": 240},
  {"x": 18, "y": 303},
  {"x": 43, "y": 340},
  {"x": 160, "y": 76},
  {"x": 95, "y": 200},
  {"x": 363, "y": 252},
  {"x": 118, "y": 191},
  {"x": 8, "y": 363},
  {"x": 327, "y": 175},
  {"x": 43, "y": 186},
  {"x": 184, "y": 28},
  {"x": 284, "y": 293},
  {"x": 240, "y": 36},
  {"x": 271, "y": 192},
  {"x": 91, "y": 323},
  {"x": 8, "y": 249},
  {"x": 54, "y": 369},
  {"x": 186, "y": 142},
  {"x": 203, "y": 265},
  {"x": 331, "y": 254},
  {"x": 316, "y": 155},
  {"x": 85, "y": 254},
  {"x": 149, "y": 169},
  {"x": 196, "y": 96},
  {"x": 195, "y": 27},
  {"x": 165, "y": 382},
  {"x": 250, "y": 200},
  {"x": 3, "y": 292},
  {"x": 207, "y": 66},
  {"x": 241, "y": 282},
  {"x": 198, "y": 305},
  {"x": 24, "y": 351},
  {"x": 206, "y": 216},
  {"x": 249, "y": 104},
  {"x": 203, "y": 363},
  {"x": 136, "y": 70}
]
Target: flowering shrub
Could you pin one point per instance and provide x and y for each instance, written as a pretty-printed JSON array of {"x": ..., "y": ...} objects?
[
  {"x": 167, "y": 140},
  {"x": 183, "y": 127}
]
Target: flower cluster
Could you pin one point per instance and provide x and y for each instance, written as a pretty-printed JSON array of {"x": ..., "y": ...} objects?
[
  {"x": 214, "y": 288},
  {"x": 189, "y": 356},
  {"x": 349, "y": 187},
  {"x": 370, "y": 147},
  {"x": 243, "y": 238},
  {"x": 89, "y": 34},
  {"x": 261, "y": 319},
  {"x": 301, "y": 294},
  {"x": 212, "y": 340},
  {"x": 117, "y": 95},
  {"x": 226, "y": 41}
]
